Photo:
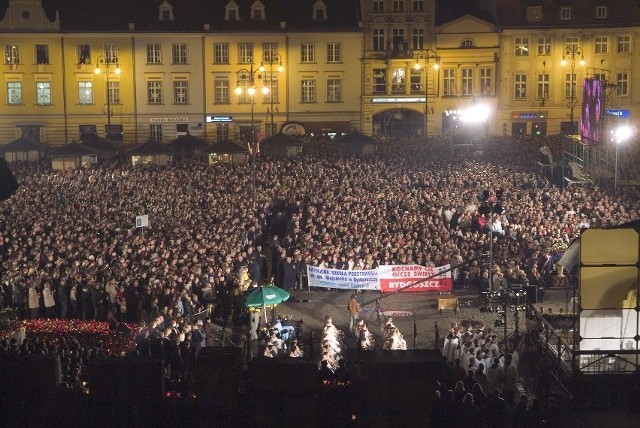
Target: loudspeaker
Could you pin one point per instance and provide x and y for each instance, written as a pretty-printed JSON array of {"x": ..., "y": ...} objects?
[{"x": 8, "y": 183}]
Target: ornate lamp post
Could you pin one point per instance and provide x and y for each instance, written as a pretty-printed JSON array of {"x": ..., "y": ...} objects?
[
  {"x": 426, "y": 55},
  {"x": 246, "y": 82},
  {"x": 571, "y": 52},
  {"x": 100, "y": 61},
  {"x": 270, "y": 59}
]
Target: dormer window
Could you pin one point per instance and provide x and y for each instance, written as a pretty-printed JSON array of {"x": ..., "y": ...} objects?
[
  {"x": 232, "y": 11},
  {"x": 319, "y": 10},
  {"x": 257, "y": 11},
  {"x": 565, "y": 13},
  {"x": 466, "y": 43},
  {"x": 165, "y": 11},
  {"x": 534, "y": 14},
  {"x": 601, "y": 12}
]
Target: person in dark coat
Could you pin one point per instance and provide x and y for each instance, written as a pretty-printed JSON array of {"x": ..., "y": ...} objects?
[
  {"x": 86, "y": 302},
  {"x": 288, "y": 274},
  {"x": 255, "y": 268}
]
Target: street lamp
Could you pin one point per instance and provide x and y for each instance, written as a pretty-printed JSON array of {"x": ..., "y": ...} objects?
[
  {"x": 100, "y": 60},
  {"x": 270, "y": 59},
  {"x": 247, "y": 77},
  {"x": 571, "y": 52},
  {"x": 622, "y": 134},
  {"x": 426, "y": 55}
]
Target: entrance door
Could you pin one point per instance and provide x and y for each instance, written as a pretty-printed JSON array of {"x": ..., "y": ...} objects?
[
  {"x": 518, "y": 129},
  {"x": 539, "y": 129}
]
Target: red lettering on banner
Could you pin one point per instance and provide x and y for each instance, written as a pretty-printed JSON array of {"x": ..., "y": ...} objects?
[{"x": 438, "y": 285}]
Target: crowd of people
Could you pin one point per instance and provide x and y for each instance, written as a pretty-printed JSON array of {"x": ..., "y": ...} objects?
[
  {"x": 481, "y": 385},
  {"x": 70, "y": 248}
]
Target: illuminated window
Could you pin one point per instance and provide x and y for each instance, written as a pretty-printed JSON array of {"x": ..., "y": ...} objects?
[{"x": 520, "y": 89}]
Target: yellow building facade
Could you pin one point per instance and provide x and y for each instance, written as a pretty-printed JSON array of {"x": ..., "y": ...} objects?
[{"x": 387, "y": 67}]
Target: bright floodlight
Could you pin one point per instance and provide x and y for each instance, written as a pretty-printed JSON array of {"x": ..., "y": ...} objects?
[
  {"x": 622, "y": 133},
  {"x": 475, "y": 114}
]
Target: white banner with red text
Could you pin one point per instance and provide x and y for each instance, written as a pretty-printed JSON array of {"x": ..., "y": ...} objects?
[{"x": 387, "y": 278}]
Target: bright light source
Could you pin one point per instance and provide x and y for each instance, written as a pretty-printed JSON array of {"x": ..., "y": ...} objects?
[
  {"x": 475, "y": 114},
  {"x": 238, "y": 90},
  {"x": 251, "y": 91},
  {"x": 265, "y": 90},
  {"x": 417, "y": 66},
  {"x": 622, "y": 133}
]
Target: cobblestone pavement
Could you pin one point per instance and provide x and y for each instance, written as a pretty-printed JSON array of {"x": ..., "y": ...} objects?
[{"x": 312, "y": 306}]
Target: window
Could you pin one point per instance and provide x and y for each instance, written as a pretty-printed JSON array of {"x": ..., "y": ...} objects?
[
  {"x": 565, "y": 13},
  {"x": 601, "y": 12},
  {"x": 155, "y": 132},
  {"x": 42, "y": 54},
  {"x": 418, "y": 5},
  {"x": 270, "y": 52},
  {"x": 43, "y": 93},
  {"x": 154, "y": 92},
  {"x": 544, "y": 46},
  {"x": 520, "y": 89},
  {"x": 334, "y": 90},
  {"x": 319, "y": 11},
  {"x": 244, "y": 97},
  {"x": 624, "y": 44},
  {"x": 11, "y": 54},
  {"x": 417, "y": 38},
  {"x": 378, "y": 39},
  {"x": 486, "y": 81},
  {"x": 602, "y": 44},
  {"x": 257, "y": 11},
  {"x": 221, "y": 91},
  {"x": 543, "y": 86},
  {"x": 271, "y": 82},
  {"x": 398, "y": 5},
  {"x": 85, "y": 92},
  {"x": 111, "y": 54},
  {"x": 379, "y": 81},
  {"x": 449, "y": 81},
  {"x": 623, "y": 84},
  {"x": 415, "y": 81},
  {"x": 378, "y": 5},
  {"x": 165, "y": 15},
  {"x": 245, "y": 53},
  {"x": 398, "y": 38},
  {"x": 181, "y": 91},
  {"x": 522, "y": 46},
  {"x": 308, "y": 90},
  {"x": 14, "y": 93},
  {"x": 334, "y": 52},
  {"x": 83, "y": 54},
  {"x": 570, "y": 85},
  {"x": 571, "y": 43},
  {"x": 467, "y": 81},
  {"x": 221, "y": 53},
  {"x": 398, "y": 78},
  {"x": 153, "y": 53},
  {"x": 179, "y": 53},
  {"x": 231, "y": 11},
  {"x": 307, "y": 52},
  {"x": 113, "y": 91}
]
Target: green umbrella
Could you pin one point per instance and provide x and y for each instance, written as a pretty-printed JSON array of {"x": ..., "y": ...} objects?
[{"x": 266, "y": 295}]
